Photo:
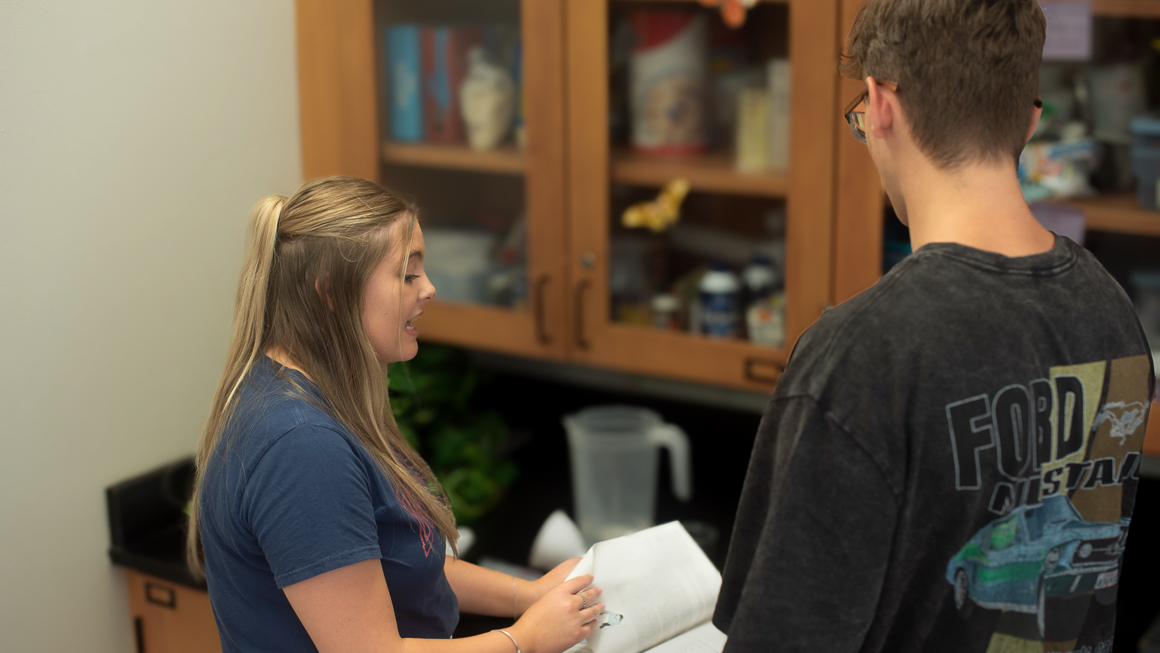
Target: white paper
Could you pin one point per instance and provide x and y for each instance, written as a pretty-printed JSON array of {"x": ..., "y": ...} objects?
[
  {"x": 702, "y": 639},
  {"x": 656, "y": 584},
  {"x": 1069, "y": 31}
]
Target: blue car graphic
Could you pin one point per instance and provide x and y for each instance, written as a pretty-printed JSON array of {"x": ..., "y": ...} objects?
[{"x": 1036, "y": 553}]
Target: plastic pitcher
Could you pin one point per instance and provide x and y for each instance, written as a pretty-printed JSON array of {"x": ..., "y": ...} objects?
[{"x": 614, "y": 468}]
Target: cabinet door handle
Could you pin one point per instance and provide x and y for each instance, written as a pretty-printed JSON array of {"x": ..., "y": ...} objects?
[
  {"x": 139, "y": 633},
  {"x": 160, "y": 595},
  {"x": 538, "y": 308},
  {"x": 581, "y": 341},
  {"x": 753, "y": 362}
]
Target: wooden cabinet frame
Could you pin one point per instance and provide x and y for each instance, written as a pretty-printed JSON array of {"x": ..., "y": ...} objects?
[
  {"x": 338, "y": 75},
  {"x": 169, "y": 617},
  {"x": 568, "y": 168},
  {"x": 809, "y": 207}
]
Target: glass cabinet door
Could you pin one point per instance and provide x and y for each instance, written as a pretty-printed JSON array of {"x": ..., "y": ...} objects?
[
  {"x": 669, "y": 104},
  {"x": 471, "y": 104},
  {"x": 457, "y": 104}
]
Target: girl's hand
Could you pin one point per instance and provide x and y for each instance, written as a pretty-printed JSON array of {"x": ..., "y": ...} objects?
[
  {"x": 532, "y": 591},
  {"x": 556, "y": 621}
]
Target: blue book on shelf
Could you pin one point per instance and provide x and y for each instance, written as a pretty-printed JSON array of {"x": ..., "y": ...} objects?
[{"x": 404, "y": 78}]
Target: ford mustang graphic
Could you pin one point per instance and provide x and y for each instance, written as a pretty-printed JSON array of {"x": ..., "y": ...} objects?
[{"x": 1037, "y": 553}]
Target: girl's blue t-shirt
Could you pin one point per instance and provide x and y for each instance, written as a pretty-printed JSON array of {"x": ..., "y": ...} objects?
[{"x": 291, "y": 494}]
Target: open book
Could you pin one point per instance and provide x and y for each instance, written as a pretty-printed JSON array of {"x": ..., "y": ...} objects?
[{"x": 659, "y": 593}]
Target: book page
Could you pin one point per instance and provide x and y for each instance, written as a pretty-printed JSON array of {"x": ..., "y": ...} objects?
[
  {"x": 702, "y": 639},
  {"x": 657, "y": 584}
]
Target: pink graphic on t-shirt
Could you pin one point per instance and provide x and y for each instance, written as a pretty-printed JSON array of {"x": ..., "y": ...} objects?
[{"x": 426, "y": 529}]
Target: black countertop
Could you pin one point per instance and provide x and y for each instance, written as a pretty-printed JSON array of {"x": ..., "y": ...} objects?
[{"x": 147, "y": 522}]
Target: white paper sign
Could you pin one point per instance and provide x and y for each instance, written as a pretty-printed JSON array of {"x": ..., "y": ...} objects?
[{"x": 1069, "y": 31}]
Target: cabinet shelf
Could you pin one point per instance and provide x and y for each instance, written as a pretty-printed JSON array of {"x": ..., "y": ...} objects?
[
  {"x": 1118, "y": 214},
  {"x": 712, "y": 173},
  {"x": 505, "y": 160}
]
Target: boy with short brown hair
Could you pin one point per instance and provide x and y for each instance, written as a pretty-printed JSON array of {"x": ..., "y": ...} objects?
[
  {"x": 950, "y": 461},
  {"x": 966, "y": 100}
]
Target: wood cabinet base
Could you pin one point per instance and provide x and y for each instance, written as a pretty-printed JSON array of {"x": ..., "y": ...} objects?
[
  {"x": 1152, "y": 437},
  {"x": 170, "y": 618}
]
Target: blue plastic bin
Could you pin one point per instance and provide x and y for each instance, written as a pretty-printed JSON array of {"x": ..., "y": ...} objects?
[{"x": 1146, "y": 158}]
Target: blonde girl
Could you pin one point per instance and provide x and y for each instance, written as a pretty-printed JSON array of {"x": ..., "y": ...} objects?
[{"x": 317, "y": 526}]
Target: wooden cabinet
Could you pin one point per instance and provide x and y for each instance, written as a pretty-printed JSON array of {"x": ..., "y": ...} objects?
[
  {"x": 569, "y": 181},
  {"x": 571, "y": 177},
  {"x": 805, "y": 188},
  {"x": 170, "y": 618}
]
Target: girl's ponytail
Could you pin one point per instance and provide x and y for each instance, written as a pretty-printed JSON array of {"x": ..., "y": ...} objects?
[
  {"x": 250, "y": 305},
  {"x": 245, "y": 345}
]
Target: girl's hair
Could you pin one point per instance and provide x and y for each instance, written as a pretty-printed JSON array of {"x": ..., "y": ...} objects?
[{"x": 307, "y": 263}]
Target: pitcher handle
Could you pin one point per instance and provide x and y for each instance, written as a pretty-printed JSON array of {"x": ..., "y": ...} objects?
[{"x": 674, "y": 439}]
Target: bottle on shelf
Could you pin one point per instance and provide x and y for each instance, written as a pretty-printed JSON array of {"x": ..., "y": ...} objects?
[
  {"x": 667, "y": 71},
  {"x": 764, "y": 305},
  {"x": 760, "y": 279},
  {"x": 720, "y": 302},
  {"x": 666, "y": 311}
]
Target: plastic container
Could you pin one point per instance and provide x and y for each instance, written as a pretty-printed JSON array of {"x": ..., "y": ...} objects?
[
  {"x": 720, "y": 302},
  {"x": 458, "y": 263},
  {"x": 1117, "y": 93},
  {"x": 667, "y": 72},
  {"x": 1146, "y": 159},
  {"x": 765, "y": 320},
  {"x": 613, "y": 452},
  {"x": 666, "y": 312},
  {"x": 760, "y": 278},
  {"x": 629, "y": 281},
  {"x": 1146, "y": 284},
  {"x": 759, "y": 281}
]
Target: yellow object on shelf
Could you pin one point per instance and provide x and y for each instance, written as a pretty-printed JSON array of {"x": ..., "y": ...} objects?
[{"x": 660, "y": 213}]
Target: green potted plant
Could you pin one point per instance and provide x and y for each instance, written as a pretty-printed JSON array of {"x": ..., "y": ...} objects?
[{"x": 430, "y": 398}]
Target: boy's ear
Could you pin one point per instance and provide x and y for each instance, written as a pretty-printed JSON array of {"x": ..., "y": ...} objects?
[
  {"x": 1036, "y": 114},
  {"x": 322, "y": 294},
  {"x": 880, "y": 108}
]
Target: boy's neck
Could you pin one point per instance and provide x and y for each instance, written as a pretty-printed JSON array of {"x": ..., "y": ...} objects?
[{"x": 979, "y": 205}]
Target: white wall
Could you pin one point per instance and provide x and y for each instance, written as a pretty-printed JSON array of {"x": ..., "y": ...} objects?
[{"x": 134, "y": 137}]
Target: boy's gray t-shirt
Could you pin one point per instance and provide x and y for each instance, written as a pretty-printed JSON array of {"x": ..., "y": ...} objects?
[{"x": 949, "y": 463}]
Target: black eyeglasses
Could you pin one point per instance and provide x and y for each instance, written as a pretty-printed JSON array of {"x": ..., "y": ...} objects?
[{"x": 857, "y": 119}]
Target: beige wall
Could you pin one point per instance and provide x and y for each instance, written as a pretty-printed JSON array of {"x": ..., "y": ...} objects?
[{"x": 134, "y": 136}]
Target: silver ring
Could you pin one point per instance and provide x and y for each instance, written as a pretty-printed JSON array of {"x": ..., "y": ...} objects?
[{"x": 584, "y": 599}]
